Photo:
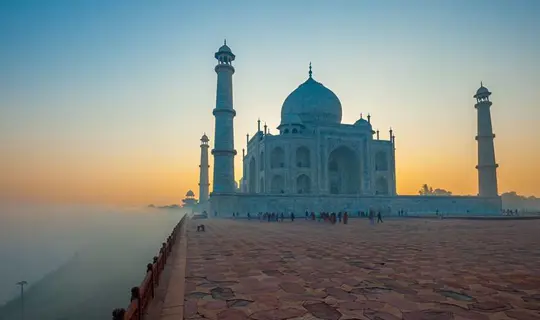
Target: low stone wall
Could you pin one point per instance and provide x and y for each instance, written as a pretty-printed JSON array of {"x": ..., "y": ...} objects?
[{"x": 226, "y": 204}]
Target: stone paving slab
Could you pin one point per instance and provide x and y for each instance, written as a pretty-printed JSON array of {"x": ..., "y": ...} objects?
[{"x": 401, "y": 269}]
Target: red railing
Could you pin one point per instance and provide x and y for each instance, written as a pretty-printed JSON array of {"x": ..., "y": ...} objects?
[{"x": 143, "y": 294}]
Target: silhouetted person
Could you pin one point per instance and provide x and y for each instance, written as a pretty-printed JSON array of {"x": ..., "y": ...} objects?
[
  {"x": 333, "y": 218},
  {"x": 292, "y": 216},
  {"x": 249, "y": 216},
  {"x": 379, "y": 217},
  {"x": 339, "y": 217},
  {"x": 345, "y": 217},
  {"x": 281, "y": 217}
]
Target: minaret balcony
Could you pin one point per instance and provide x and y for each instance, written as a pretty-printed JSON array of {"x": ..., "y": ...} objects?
[
  {"x": 489, "y": 136},
  {"x": 224, "y": 67},
  {"x": 223, "y": 152},
  {"x": 482, "y": 166},
  {"x": 223, "y": 110}
]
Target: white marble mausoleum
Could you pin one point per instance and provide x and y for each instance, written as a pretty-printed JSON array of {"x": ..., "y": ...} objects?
[{"x": 317, "y": 163}]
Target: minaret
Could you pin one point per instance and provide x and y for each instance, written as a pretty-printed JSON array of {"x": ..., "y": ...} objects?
[
  {"x": 487, "y": 168},
  {"x": 203, "y": 178},
  {"x": 224, "y": 130}
]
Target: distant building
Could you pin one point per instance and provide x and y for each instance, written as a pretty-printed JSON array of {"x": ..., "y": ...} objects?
[{"x": 189, "y": 201}]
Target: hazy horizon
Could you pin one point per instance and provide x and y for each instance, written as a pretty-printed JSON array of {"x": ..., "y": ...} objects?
[
  {"x": 105, "y": 102},
  {"x": 113, "y": 246}
]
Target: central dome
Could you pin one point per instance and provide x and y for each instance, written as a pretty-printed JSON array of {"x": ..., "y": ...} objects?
[{"x": 313, "y": 103}]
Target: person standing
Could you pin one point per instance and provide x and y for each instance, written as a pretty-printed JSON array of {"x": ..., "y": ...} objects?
[
  {"x": 292, "y": 216},
  {"x": 345, "y": 217},
  {"x": 379, "y": 217}
]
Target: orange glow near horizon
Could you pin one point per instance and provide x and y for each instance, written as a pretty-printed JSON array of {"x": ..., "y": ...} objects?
[{"x": 162, "y": 182}]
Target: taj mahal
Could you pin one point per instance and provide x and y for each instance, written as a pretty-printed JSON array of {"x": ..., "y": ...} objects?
[{"x": 317, "y": 163}]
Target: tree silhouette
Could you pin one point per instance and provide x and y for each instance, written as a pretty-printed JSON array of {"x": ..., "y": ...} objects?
[{"x": 426, "y": 190}]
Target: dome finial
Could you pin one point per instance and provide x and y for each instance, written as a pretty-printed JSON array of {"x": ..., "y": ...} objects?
[
  {"x": 361, "y": 115},
  {"x": 310, "y": 72},
  {"x": 224, "y": 42}
]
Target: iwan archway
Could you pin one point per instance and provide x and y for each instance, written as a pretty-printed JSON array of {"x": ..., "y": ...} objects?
[{"x": 343, "y": 171}]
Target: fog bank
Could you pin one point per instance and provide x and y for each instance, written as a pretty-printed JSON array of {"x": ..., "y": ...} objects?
[{"x": 112, "y": 246}]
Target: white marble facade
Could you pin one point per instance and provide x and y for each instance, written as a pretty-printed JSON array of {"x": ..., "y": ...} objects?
[
  {"x": 314, "y": 153},
  {"x": 317, "y": 163}
]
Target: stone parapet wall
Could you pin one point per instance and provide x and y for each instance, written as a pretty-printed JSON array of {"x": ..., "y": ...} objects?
[{"x": 226, "y": 204}]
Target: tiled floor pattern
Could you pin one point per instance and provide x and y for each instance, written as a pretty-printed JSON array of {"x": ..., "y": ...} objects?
[{"x": 401, "y": 269}]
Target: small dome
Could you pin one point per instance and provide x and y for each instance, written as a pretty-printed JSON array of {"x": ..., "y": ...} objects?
[
  {"x": 204, "y": 138},
  {"x": 362, "y": 122},
  {"x": 482, "y": 91},
  {"x": 190, "y": 194},
  {"x": 225, "y": 48},
  {"x": 313, "y": 103}
]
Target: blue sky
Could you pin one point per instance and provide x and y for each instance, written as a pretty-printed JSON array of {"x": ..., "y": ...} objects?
[{"x": 101, "y": 92}]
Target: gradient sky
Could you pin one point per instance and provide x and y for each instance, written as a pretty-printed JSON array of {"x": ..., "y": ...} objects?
[{"x": 105, "y": 101}]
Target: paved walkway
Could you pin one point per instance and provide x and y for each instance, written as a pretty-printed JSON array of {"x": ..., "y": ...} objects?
[{"x": 401, "y": 269}]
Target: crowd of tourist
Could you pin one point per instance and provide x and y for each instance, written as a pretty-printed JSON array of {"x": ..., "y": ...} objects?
[
  {"x": 330, "y": 217},
  {"x": 510, "y": 212},
  {"x": 340, "y": 217}
]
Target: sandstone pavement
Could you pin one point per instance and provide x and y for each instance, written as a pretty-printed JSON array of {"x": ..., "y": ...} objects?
[{"x": 400, "y": 269}]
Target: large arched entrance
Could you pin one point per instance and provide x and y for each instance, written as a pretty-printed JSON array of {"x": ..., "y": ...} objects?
[
  {"x": 381, "y": 162},
  {"x": 277, "y": 184},
  {"x": 261, "y": 162},
  {"x": 277, "y": 158},
  {"x": 343, "y": 171},
  {"x": 381, "y": 187},
  {"x": 303, "y": 184},
  {"x": 252, "y": 176},
  {"x": 303, "y": 157}
]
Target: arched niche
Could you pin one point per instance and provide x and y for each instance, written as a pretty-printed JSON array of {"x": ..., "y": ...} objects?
[
  {"x": 343, "y": 171},
  {"x": 303, "y": 159},
  {"x": 277, "y": 158}
]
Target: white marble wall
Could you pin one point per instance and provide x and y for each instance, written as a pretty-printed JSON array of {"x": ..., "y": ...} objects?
[{"x": 225, "y": 204}]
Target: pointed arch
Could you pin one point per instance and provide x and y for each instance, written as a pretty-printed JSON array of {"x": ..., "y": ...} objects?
[
  {"x": 277, "y": 158},
  {"x": 343, "y": 171},
  {"x": 381, "y": 161},
  {"x": 261, "y": 186},
  {"x": 277, "y": 184},
  {"x": 303, "y": 184},
  {"x": 303, "y": 157},
  {"x": 252, "y": 176},
  {"x": 381, "y": 186}
]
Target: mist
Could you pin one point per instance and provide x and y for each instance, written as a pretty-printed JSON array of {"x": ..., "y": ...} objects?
[{"x": 80, "y": 262}]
